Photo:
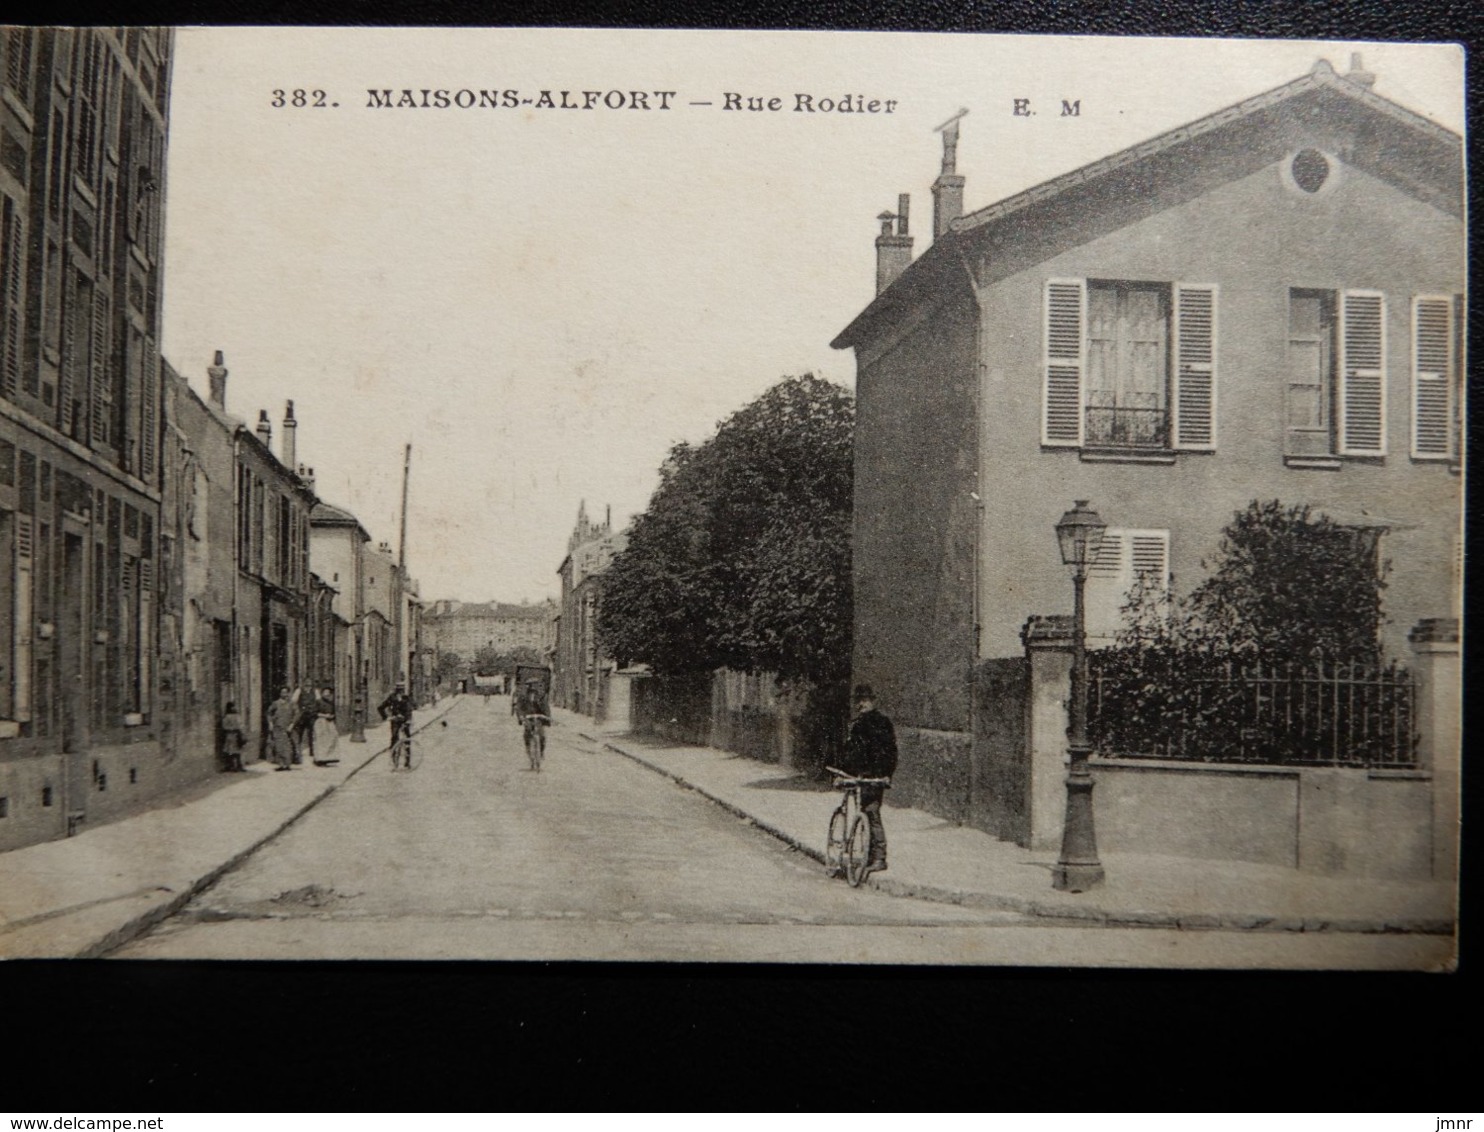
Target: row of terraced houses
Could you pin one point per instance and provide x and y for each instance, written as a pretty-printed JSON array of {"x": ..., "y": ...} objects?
[{"x": 159, "y": 558}]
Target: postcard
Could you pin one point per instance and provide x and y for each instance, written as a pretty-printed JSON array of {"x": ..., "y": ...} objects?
[{"x": 802, "y": 497}]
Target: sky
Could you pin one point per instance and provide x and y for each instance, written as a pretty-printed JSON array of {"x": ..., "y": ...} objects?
[{"x": 543, "y": 301}]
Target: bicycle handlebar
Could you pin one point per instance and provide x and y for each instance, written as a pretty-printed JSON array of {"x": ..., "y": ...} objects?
[{"x": 844, "y": 779}]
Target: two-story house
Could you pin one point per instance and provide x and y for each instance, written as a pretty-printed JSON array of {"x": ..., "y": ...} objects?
[{"x": 1262, "y": 304}]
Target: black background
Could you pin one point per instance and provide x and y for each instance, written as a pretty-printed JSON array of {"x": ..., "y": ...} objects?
[{"x": 114, "y": 1036}]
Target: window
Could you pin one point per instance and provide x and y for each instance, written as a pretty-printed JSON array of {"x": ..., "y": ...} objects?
[
  {"x": 1436, "y": 375},
  {"x": 1129, "y": 366},
  {"x": 1336, "y": 381},
  {"x": 1128, "y": 561}
]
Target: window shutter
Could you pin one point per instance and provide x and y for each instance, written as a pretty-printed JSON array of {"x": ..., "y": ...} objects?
[
  {"x": 1108, "y": 579},
  {"x": 102, "y": 394},
  {"x": 1362, "y": 374},
  {"x": 149, "y": 427},
  {"x": 1194, "y": 398},
  {"x": 1432, "y": 377},
  {"x": 1124, "y": 558},
  {"x": 146, "y": 629},
  {"x": 14, "y": 245},
  {"x": 25, "y": 551},
  {"x": 1065, "y": 317}
]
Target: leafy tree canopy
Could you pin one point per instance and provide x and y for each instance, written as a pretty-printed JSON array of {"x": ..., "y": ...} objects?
[
  {"x": 1287, "y": 584},
  {"x": 742, "y": 559}
]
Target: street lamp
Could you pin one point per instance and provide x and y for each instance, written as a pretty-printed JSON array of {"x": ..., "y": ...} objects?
[{"x": 1079, "y": 534}]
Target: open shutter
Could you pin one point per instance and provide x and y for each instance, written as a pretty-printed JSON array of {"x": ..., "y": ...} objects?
[
  {"x": 25, "y": 552},
  {"x": 101, "y": 374},
  {"x": 148, "y": 426},
  {"x": 1432, "y": 377},
  {"x": 1362, "y": 374},
  {"x": 13, "y": 241},
  {"x": 146, "y": 630},
  {"x": 1065, "y": 317},
  {"x": 1108, "y": 579},
  {"x": 1194, "y": 397}
]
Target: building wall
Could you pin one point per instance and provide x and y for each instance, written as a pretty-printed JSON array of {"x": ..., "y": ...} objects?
[
  {"x": 913, "y": 530},
  {"x": 197, "y": 576},
  {"x": 82, "y": 159},
  {"x": 1255, "y": 239}
]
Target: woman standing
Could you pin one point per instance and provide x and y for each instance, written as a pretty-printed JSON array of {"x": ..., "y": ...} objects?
[{"x": 326, "y": 734}]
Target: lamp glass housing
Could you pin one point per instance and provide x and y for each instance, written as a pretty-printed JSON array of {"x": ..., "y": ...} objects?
[{"x": 1079, "y": 533}]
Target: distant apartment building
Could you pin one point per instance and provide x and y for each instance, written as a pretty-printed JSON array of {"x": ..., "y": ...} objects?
[
  {"x": 466, "y": 627},
  {"x": 82, "y": 190}
]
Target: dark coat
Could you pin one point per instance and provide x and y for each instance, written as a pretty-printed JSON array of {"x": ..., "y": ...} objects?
[{"x": 871, "y": 750}]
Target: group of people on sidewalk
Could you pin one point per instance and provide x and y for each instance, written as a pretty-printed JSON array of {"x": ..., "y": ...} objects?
[{"x": 299, "y": 721}]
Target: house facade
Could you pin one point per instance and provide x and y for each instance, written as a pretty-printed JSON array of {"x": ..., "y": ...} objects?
[
  {"x": 337, "y": 546},
  {"x": 82, "y": 167},
  {"x": 581, "y": 670},
  {"x": 1262, "y": 304}
]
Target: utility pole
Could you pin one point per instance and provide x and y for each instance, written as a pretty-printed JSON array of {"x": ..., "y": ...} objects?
[{"x": 402, "y": 575}]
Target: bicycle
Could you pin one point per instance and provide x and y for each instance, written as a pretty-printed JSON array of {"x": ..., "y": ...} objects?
[
  {"x": 848, "y": 847},
  {"x": 402, "y": 747},
  {"x": 535, "y": 729}
]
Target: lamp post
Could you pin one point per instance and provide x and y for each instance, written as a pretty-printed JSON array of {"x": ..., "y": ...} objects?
[{"x": 1079, "y": 534}]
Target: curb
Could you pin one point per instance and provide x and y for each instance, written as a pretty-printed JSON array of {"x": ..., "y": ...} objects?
[
  {"x": 136, "y": 926},
  {"x": 1084, "y": 916}
]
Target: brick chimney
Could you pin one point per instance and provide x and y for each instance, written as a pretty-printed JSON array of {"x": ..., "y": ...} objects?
[
  {"x": 290, "y": 437},
  {"x": 218, "y": 375},
  {"x": 948, "y": 189},
  {"x": 893, "y": 250},
  {"x": 265, "y": 429}
]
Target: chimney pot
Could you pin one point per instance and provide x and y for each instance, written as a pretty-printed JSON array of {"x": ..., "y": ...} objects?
[
  {"x": 893, "y": 250},
  {"x": 217, "y": 373},
  {"x": 904, "y": 206},
  {"x": 265, "y": 428},
  {"x": 1358, "y": 74}
]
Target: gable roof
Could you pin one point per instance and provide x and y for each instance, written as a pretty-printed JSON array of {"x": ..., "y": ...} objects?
[{"x": 1373, "y": 133}]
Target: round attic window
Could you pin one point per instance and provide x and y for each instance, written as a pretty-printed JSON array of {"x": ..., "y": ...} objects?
[{"x": 1310, "y": 170}]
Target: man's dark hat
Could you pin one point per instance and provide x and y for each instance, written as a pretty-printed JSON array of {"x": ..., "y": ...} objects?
[{"x": 863, "y": 692}]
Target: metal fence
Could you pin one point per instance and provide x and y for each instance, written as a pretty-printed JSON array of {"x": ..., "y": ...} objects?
[{"x": 1184, "y": 708}]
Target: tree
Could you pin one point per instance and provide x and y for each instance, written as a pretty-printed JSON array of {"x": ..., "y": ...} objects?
[
  {"x": 742, "y": 559},
  {"x": 450, "y": 666},
  {"x": 1287, "y": 585}
]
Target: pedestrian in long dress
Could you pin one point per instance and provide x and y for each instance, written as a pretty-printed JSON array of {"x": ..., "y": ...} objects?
[
  {"x": 283, "y": 714},
  {"x": 326, "y": 734},
  {"x": 232, "y": 739}
]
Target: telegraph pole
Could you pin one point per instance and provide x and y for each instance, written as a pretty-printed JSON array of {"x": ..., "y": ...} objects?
[{"x": 402, "y": 575}]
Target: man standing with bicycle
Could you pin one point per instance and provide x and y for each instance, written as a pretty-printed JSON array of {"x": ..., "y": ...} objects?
[
  {"x": 871, "y": 752},
  {"x": 398, "y": 709}
]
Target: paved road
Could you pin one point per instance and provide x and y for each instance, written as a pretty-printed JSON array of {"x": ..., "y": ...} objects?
[{"x": 475, "y": 856}]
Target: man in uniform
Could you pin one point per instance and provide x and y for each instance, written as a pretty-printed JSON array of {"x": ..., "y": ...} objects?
[{"x": 871, "y": 752}]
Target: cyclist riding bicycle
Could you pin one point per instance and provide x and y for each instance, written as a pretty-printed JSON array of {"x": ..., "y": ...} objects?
[
  {"x": 398, "y": 709},
  {"x": 533, "y": 711}
]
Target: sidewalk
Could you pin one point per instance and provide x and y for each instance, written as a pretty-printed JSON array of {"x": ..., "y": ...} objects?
[
  {"x": 938, "y": 860},
  {"x": 84, "y": 896}
]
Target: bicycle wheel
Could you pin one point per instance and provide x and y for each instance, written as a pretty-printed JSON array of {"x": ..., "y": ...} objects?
[
  {"x": 411, "y": 755},
  {"x": 396, "y": 753},
  {"x": 834, "y": 847},
  {"x": 857, "y": 850},
  {"x": 540, "y": 746},
  {"x": 532, "y": 756}
]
